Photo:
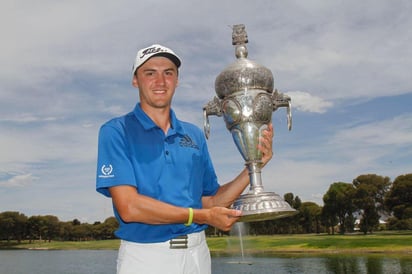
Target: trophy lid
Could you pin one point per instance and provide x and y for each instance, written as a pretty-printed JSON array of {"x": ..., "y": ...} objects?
[{"x": 243, "y": 74}]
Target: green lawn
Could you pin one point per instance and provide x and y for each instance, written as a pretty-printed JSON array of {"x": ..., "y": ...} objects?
[
  {"x": 378, "y": 242},
  {"x": 316, "y": 243}
]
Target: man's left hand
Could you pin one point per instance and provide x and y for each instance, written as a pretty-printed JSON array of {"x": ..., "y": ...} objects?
[{"x": 265, "y": 145}]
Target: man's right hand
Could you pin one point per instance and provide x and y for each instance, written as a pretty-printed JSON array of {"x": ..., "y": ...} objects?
[{"x": 220, "y": 217}]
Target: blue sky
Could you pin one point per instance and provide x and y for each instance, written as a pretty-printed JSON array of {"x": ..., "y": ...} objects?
[{"x": 66, "y": 69}]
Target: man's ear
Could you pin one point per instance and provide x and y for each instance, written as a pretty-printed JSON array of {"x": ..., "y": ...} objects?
[{"x": 134, "y": 81}]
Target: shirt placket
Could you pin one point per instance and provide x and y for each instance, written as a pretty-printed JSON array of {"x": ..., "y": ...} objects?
[{"x": 167, "y": 151}]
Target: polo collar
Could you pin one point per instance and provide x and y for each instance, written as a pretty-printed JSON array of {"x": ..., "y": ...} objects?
[{"x": 148, "y": 123}]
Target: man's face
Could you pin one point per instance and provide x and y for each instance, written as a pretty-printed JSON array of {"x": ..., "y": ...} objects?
[{"x": 156, "y": 80}]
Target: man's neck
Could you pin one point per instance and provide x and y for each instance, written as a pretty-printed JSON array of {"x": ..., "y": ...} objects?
[{"x": 160, "y": 116}]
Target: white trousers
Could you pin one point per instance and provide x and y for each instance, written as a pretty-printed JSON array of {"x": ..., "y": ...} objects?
[{"x": 158, "y": 258}]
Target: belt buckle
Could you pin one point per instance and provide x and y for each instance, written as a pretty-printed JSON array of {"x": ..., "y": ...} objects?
[{"x": 180, "y": 242}]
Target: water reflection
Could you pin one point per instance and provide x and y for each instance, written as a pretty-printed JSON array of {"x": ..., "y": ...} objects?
[
  {"x": 314, "y": 263},
  {"x": 344, "y": 264}
]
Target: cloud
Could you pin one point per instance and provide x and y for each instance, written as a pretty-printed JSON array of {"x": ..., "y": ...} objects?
[
  {"x": 26, "y": 118},
  {"x": 304, "y": 101},
  {"x": 396, "y": 131},
  {"x": 341, "y": 50},
  {"x": 16, "y": 180}
]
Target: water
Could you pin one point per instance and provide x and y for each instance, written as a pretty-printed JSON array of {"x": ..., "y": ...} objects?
[
  {"x": 58, "y": 261},
  {"x": 104, "y": 261},
  {"x": 318, "y": 264}
]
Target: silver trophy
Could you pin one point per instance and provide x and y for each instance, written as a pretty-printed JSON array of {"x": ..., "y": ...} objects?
[{"x": 246, "y": 99}]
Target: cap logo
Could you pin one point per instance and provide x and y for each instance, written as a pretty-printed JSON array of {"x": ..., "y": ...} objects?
[{"x": 150, "y": 51}]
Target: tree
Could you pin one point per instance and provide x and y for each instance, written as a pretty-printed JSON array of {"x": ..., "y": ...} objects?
[
  {"x": 399, "y": 197},
  {"x": 294, "y": 201},
  {"x": 310, "y": 217},
  {"x": 43, "y": 227},
  {"x": 66, "y": 231},
  {"x": 291, "y": 224},
  {"x": 370, "y": 191},
  {"x": 285, "y": 225},
  {"x": 338, "y": 204},
  {"x": 399, "y": 201},
  {"x": 106, "y": 229},
  {"x": 76, "y": 222},
  {"x": 13, "y": 225},
  {"x": 52, "y": 227},
  {"x": 329, "y": 218},
  {"x": 35, "y": 228}
]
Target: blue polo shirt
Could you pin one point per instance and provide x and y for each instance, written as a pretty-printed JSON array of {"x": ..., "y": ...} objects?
[{"x": 174, "y": 168}]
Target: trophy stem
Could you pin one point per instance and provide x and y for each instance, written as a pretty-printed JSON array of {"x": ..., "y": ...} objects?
[{"x": 255, "y": 177}]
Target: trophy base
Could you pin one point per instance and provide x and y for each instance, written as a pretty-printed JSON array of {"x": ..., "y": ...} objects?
[{"x": 262, "y": 206}]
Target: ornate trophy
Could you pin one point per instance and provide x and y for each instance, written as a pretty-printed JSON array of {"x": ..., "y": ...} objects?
[{"x": 246, "y": 100}]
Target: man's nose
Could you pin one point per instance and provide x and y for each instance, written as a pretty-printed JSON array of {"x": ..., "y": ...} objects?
[{"x": 160, "y": 79}]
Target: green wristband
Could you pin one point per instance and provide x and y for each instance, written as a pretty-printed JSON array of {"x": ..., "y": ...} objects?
[{"x": 190, "y": 219}]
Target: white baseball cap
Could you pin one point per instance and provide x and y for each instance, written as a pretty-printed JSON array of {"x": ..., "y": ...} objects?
[{"x": 155, "y": 50}]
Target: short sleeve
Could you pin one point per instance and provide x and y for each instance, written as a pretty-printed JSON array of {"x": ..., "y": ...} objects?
[
  {"x": 113, "y": 161},
  {"x": 210, "y": 181}
]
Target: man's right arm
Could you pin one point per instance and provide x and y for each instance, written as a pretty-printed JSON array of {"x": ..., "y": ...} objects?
[{"x": 134, "y": 207}]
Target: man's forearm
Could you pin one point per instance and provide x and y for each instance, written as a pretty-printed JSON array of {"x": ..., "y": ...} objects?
[{"x": 228, "y": 192}]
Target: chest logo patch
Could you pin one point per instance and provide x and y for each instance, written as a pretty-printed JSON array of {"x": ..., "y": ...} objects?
[{"x": 186, "y": 141}]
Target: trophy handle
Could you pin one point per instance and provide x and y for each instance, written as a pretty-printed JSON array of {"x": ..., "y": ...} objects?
[
  {"x": 281, "y": 100},
  {"x": 289, "y": 115},
  {"x": 206, "y": 124},
  {"x": 213, "y": 107}
]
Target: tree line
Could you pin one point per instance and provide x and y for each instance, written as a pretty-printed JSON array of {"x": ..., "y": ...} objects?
[
  {"x": 17, "y": 226},
  {"x": 347, "y": 207},
  {"x": 369, "y": 203}
]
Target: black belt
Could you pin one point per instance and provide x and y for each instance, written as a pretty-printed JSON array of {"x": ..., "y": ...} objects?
[{"x": 180, "y": 242}]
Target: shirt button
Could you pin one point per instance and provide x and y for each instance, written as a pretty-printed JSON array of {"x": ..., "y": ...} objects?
[{"x": 167, "y": 152}]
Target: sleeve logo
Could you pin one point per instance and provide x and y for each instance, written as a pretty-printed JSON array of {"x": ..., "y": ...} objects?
[{"x": 106, "y": 171}]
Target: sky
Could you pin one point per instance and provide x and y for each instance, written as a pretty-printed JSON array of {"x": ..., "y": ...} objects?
[{"x": 66, "y": 69}]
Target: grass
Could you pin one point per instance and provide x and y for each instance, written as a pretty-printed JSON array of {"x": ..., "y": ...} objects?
[
  {"x": 355, "y": 243},
  {"x": 309, "y": 243}
]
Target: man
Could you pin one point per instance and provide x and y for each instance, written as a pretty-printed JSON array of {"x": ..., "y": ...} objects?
[{"x": 159, "y": 174}]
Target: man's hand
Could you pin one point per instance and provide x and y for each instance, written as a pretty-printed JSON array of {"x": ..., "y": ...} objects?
[
  {"x": 220, "y": 217},
  {"x": 265, "y": 145}
]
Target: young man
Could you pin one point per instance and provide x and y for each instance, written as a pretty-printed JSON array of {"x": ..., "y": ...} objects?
[{"x": 159, "y": 174}]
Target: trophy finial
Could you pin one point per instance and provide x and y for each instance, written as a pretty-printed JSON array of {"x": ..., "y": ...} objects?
[
  {"x": 239, "y": 40},
  {"x": 239, "y": 35}
]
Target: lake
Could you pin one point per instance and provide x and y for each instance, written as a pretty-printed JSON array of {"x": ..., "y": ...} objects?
[{"x": 103, "y": 262}]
